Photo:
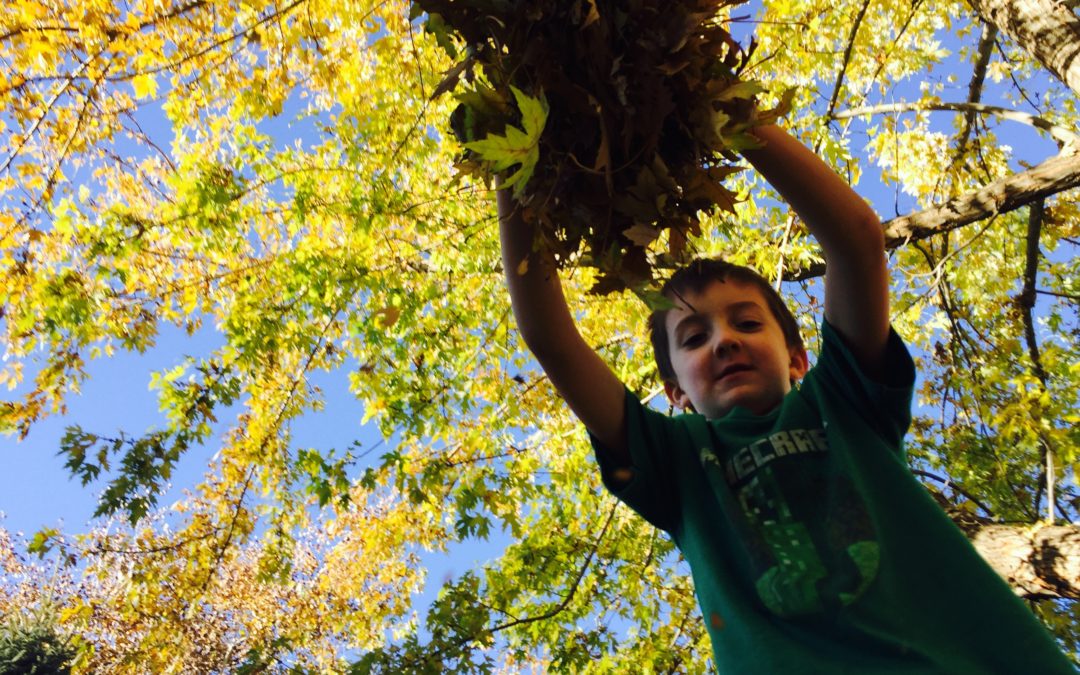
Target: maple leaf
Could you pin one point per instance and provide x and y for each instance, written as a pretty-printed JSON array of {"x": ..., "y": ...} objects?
[{"x": 516, "y": 146}]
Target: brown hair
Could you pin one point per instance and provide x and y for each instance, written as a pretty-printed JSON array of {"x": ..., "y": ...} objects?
[{"x": 693, "y": 278}]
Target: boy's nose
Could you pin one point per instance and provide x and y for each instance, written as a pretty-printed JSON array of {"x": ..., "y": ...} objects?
[{"x": 725, "y": 342}]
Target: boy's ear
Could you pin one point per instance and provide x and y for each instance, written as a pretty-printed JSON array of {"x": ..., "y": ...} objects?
[
  {"x": 676, "y": 395},
  {"x": 799, "y": 364}
]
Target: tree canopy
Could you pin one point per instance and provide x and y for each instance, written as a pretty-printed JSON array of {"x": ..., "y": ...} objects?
[{"x": 149, "y": 177}]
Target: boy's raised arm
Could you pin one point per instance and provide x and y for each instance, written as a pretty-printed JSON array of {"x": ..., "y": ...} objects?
[
  {"x": 850, "y": 234},
  {"x": 591, "y": 390}
]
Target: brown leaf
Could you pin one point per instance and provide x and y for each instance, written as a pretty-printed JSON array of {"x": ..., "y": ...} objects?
[
  {"x": 387, "y": 316},
  {"x": 703, "y": 190},
  {"x": 593, "y": 15},
  {"x": 450, "y": 79},
  {"x": 606, "y": 283},
  {"x": 642, "y": 234}
]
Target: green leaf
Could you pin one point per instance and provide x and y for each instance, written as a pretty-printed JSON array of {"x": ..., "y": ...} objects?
[
  {"x": 744, "y": 90},
  {"x": 42, "y": 541},
  {"x": 516, "y": 146}
]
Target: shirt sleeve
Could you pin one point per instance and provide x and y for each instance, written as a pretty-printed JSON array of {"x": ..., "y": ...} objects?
[
  {"x": 654, "y": 441},
  {"x": 884, "y": 404}
]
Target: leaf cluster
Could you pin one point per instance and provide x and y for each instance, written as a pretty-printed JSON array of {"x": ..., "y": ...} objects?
[
  {"x": 622, "y": 117},
  {"x": 32, "y": 646}
]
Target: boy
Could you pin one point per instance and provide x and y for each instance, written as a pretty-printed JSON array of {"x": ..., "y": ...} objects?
[{"x": 812, "y": 548}]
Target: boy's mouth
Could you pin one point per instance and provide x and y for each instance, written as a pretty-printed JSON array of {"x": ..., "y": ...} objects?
[{"x": 733, "y": 368}]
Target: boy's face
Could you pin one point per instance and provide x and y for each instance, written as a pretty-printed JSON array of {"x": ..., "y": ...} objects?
[{"x": 727, "y": 349}]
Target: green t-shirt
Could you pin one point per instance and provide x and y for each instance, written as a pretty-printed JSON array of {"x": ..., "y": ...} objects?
[{"x": 813, "y": 548}]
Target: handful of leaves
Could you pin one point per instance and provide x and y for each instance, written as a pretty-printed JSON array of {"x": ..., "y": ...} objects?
[{"x": 618, "y": 118}]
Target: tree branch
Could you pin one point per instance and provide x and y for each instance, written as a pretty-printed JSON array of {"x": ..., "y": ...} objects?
[
  {"x": 1001, "y": 196},
  {"x": 1026, "y": 301},
  {"x": 1007, "y": 194},
  {"x": 1027, "y": 295},
  {"x": 954, "y": 486},
  {"x": 847, "y": 58},
  {"x": 1038, "y": 562},
  {"x": 975, "y": 86},
  {"x": 573, "y": 586},
  {"x": 1066, "y": 138}
]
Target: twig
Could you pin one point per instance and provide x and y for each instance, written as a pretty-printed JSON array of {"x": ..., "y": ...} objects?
[{"x": 952, "y": 485}]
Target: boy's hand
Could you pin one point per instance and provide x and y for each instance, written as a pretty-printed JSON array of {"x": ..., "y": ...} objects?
[
  {"x": 850, "y": 234},
  {"x": 591, "y": 390}
]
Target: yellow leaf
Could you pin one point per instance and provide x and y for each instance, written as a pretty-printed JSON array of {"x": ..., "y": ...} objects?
[
  {"x": 145, "y": 85},
  {"x": 523, "y": 266}
]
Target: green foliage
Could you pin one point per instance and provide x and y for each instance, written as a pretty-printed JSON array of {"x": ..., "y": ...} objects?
[{"x": 33, "y": 647}]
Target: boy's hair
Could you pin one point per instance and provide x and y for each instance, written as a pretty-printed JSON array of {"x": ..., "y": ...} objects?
[{"x": 693, "y": 278}]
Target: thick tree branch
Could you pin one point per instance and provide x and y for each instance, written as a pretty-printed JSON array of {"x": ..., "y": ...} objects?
[
  {"x": 1048, "y": 29},
  {"x": 1055, "y": 175},
  {"x": 1038, "y": 561},
  {"x": 1001, "y": 196}
]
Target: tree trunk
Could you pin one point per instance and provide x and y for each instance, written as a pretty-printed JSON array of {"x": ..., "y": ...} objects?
[
  {"x": 1048, "y": 29},
  {"x": 1038, "y": 561}
]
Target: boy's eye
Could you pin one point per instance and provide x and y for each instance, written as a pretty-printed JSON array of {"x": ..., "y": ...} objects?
[
  {"x": 749, "y": 324},
  {"x": 693, "y": 339}
]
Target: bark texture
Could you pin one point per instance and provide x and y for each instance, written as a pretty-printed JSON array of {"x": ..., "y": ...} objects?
[
  {"x": 1038, "y": 561},
  {"x": 1048, "y": 29}
]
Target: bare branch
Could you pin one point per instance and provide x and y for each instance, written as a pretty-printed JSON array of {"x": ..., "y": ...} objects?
[
  {"x": 1065, "y": 137},
  {"x": 1026, "y": 301},
  {"x": 847, "y": 58},
  {"x": 956, "y": 487},
  {"x": 1027, "y": 295},
  {"x": 975, "y": 87}
]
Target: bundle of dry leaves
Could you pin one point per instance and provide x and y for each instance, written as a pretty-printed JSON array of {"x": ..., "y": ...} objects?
[{"x": 621, "y": 118}]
